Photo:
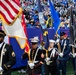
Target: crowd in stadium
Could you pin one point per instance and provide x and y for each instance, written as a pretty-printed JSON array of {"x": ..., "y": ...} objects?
[{"x": 31, "y": 13}]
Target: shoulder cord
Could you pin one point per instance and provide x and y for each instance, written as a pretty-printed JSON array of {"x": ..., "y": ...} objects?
[
  {"x": 64, "y": 46},
  {"x": 51, "y": 52},
  {"x": 36, "y": 53},
  {"x": 2, "y": 55}
]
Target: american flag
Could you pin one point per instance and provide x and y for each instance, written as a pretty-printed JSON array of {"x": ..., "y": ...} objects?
[{"x": 9, "y": 10}]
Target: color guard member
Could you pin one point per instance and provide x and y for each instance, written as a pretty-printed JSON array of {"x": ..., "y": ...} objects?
[
  {"x": 36, "y": 56},
  {"x": 51, "y": 57},
  {"x": 7, "y": 56},
  {"x": 64, "y": 51}
]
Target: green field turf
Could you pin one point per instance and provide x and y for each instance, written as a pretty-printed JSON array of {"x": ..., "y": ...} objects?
[{"x": 69, "y": 70}]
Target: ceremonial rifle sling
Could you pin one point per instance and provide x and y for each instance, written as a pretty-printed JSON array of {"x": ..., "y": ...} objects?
[
  {"x": 36, "y": 54},
  {"x": 64, "y": 46},
  {"x": 2, "y": 52}
]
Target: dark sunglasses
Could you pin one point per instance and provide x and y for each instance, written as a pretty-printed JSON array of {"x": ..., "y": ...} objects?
[{"x": 34, "y": 43}]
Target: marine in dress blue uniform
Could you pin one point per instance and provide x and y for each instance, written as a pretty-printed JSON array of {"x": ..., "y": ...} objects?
[
  {"x": 7, "y": 56},
  {"x": 63, "y": 56},
  {"x": 36, "y": 56}
]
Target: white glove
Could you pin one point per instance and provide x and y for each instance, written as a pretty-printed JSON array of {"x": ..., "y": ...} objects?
[
  {"x": 31, "y": 65},
  {"x": 74, "y": 55},
  {"x": 48, "y": 63},
  {"x": 57, "y": 41},
  {"x": 1, "y": 70},
  {"x": 47, "y": 59},
  {"x": 61, "y": 54}
]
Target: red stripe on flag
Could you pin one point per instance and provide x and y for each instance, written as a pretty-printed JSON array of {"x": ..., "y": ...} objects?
[
  {"x": 27, "y": 48},
  {"x": 4, "y": 16},
  {"x": 24, "y": 24},
  {"x": 14, "y": 9},
  {"x": 6, "y": 9},
  {"x": 17, "y": 2}
]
